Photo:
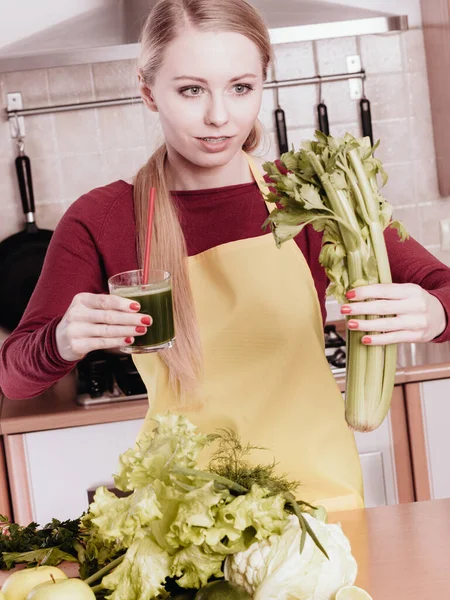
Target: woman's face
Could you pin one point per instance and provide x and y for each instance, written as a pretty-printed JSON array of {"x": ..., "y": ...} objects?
[{"x": 208, "y": 94}]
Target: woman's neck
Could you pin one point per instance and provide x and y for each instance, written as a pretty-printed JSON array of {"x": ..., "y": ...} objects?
[{"x": 184, "y": 176}]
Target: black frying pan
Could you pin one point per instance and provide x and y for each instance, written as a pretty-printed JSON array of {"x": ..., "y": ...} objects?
[{"x": 21, "y": 255}]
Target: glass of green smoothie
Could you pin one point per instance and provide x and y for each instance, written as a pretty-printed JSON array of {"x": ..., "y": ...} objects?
[{"x": 155, "y": 298}]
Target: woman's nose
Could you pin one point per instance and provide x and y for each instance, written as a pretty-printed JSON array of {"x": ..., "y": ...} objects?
[{"x": 216, "y": 113}]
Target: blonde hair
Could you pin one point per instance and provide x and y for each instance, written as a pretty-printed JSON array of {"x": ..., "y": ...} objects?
[{"x": 166, "y": 20}]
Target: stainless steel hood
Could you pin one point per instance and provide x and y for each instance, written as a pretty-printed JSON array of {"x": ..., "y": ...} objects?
[{"x": 110, "y": 31}]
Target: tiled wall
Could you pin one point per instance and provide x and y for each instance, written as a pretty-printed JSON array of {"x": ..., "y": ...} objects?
[{"x": 73, "y": 152}]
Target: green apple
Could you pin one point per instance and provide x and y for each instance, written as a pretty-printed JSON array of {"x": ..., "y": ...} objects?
[
  {"x": 64, "y": 589},
  {"x": 19, "y": 584}
]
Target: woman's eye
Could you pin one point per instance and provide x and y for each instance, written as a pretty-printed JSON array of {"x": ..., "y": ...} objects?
[
  {"x": 241, "y": 89},
  {"x": 192, "y": 91}
]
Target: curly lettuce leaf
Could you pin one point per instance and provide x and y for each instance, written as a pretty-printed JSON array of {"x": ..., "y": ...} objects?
[
  {"x": 174, "y": 442},
  {"x": 142, "y": 573}
]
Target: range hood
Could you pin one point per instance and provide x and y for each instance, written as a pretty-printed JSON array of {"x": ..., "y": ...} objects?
[{"x": 108, "y": 30}]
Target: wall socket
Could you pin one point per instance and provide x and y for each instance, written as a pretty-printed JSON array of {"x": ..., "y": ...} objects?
[{"x": 445, "y": 234}]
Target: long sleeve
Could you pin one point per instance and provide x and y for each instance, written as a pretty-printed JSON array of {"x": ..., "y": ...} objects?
[
  {"x": 412, "y": 263},
  {"x": 75, "y": 262}
]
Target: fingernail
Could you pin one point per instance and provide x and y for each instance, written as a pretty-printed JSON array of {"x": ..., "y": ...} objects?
[
  {"x": 146, "y": 320},
  {"x": 366, "y": 340},
  {"x": 135, "y": 306},
  {"x": 141, "y": 329},
  {"x": 353, "y": 325},
  {"x": 128, "y": 340},
  {"x": 346, "y": 310},
  {"x": 351, "y": 294}
]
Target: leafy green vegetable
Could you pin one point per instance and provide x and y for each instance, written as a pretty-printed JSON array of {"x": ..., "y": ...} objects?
[
  {"x": 332, "y": 185},
  {"x": 30, "y": 544}
]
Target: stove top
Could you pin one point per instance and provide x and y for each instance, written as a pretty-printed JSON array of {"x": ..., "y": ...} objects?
[{"x": 335, "y": 350}]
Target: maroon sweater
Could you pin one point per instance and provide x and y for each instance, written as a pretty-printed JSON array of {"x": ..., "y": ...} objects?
[{"x": 96, "y": 239}]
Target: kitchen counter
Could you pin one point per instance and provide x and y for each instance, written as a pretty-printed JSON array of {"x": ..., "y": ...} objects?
[
  {"x": 402, "y": 551},
  {"x": 56, "y": 408}
]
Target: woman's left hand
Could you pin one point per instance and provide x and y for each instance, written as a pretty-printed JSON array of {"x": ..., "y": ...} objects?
[{"x": 419, "y": 316}]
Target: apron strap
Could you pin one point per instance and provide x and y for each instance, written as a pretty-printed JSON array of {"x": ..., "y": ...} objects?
[{"x": 263, "y": 187}]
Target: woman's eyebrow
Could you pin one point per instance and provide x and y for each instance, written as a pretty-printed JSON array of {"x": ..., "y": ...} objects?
[{"x": 201, "y": 80}]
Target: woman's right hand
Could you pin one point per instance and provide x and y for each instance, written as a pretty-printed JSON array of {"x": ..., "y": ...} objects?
[{"x": 96, "y": 322}]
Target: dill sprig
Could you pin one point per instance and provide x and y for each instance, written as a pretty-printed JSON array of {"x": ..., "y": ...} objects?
[{"x": 231, "y": 461}]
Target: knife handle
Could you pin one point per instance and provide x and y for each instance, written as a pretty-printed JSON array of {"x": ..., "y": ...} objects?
[
  {"x": 366, "y": 119},
  {"x": 280, "y": 120},
  {"x": 322, "y": 112}
]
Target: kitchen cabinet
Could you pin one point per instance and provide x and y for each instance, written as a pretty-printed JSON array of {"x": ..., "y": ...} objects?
[
  {"x": 5, "y": 503},
  {"x": 51, "y": 472},
  {"x": 385, "y": 461},
  {"x": 428, "y": 411}
]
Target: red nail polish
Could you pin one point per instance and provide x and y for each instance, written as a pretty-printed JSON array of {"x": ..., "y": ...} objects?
[
  {"x": 135, "y": 306},
  {"x": 351, "y": 294},
  {"x": 128, "y": 340},
  {"x": 141, "y": 329},
  {"x": 146, "y": 320},
  {"x": 353, "y": 325},
  {"x": 346, "y": 310},
  {"x": 367, "y": 340}
]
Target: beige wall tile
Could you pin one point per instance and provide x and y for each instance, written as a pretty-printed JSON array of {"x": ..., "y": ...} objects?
[
  {"x": 152, "y": 129},
  {"x": 116, "y": 79},
  {"x": 442, "y": 255},
  {"x": 332, "y": 54},
  {"x": 69, "y": 85},
  {"x": 409, "y": 216},
  {"x": 77, "y": 132},
  {"x": 299, "y": 104},
  {"x": 50, "y": 215},
  {"x": 40, "y": 139},
  {"x": 400, "y": 188},
  {"x": 340, "y": 129},
  {"x": 46, "y": 174},
  {"x": 426, "y": 180},
  {"x": 414, "y": 50},
  {"x": 381, "y": 53},
  {"x": 81, "y": 173},
  {"x": 293, "y": 60},
  {"x": 422, "y": 140},
  {"x": 395, "y": 140},
  {"x": 121, "y": 127},
  {"x": 419, "y": 95},
  {"x": 11, "y": 222},
  {"x": 430, "y": 216},
  {"x": 123, "y": 164},
  {"x": 388, "y": 96},
  {"x": 266, "y": 114},
  {"x": 300, "y": 135},
  {"x": 341, "y": 108},
  {"x": 9, "y": 188},
  {"x": 33, "y": 86}
]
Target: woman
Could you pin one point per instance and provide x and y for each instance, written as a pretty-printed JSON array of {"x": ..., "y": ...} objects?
[{"x": 249, "y": 351}]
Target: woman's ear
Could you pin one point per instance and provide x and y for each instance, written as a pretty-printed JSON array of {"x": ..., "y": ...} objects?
[{"x": 146, "y": 94}]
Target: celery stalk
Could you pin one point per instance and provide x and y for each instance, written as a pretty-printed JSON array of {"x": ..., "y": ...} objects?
[{"x": 332, "y": 184}]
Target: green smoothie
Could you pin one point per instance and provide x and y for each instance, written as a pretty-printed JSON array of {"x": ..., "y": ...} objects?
[{"x": 157, "y": 303}]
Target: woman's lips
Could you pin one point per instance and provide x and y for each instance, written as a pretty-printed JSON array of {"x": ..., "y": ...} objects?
[{"x": 215, "y": 144}]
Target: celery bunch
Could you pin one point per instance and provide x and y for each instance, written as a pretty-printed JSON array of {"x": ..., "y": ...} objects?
[{"x": 332, "y": 184}]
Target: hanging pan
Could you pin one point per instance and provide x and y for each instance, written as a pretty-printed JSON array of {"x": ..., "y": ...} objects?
[{"x": 22, "y": 254}]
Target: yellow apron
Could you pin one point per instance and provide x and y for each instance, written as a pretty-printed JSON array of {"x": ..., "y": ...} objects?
[{"x": 265, "y": 371}]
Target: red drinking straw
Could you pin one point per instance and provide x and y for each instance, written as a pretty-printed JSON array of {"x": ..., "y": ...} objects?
[{"x": 148, "y": 237}]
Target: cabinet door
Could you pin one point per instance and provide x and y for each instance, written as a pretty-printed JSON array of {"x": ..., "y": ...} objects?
[
  {"x": 429, "y": 421},
  {"x": 385, "y": 460},
  {"x": 51, "y": 472}
]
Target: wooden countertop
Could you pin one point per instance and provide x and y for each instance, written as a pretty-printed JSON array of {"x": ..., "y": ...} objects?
[
  {"x": 56, "y": 408},
  {"x": 402, "y": 551}
]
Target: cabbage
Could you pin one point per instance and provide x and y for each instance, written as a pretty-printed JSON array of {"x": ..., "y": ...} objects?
[{"x": 274, "y": 568}]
